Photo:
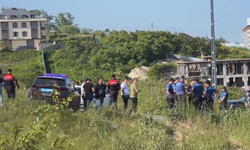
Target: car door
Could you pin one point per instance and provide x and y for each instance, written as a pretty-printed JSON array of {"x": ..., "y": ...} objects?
[{"x": 76, "y": 97}]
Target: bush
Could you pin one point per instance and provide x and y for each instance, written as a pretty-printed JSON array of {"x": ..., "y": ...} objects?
[{"x": 156, "y": 71}]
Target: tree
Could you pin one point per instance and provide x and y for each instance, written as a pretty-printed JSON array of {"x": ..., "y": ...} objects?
[
  {"x": 49, "y": 25},
  {"x": 63, "y": 19},
  {"x": 86, "y": 31},
  {"x": 70, "y": 29}
]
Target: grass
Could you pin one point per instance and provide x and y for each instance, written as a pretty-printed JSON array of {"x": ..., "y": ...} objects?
[{"x": 33, "y": 125}]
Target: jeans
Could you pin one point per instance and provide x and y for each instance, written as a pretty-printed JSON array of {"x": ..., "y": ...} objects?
[
  {"x": 110, "y": 101},
  {"x": 170, "y": 101},
  {"x": 198, "y": 104},
  {"x": 1, "y": 95},
  {"x": 125, "y": 100},
  {"x": 87, "y": 99},
  {"x": 101, "y": 99},
  {"x": 134, "y": 105}
]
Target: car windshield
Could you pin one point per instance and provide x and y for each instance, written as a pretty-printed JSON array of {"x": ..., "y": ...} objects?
[{"x": 49, "y": 82}]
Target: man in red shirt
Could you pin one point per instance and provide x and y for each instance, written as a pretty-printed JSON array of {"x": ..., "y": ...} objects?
[
  {"x": 10, "y": 84},
  {"x": 113, "y": 88}
]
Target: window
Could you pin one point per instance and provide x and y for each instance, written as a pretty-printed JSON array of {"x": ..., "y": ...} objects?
[
  {"x": 5, "y": 36},
  {"x": 15, "y": 34},
  {"x": 33, "y": 25},
  {"x": 24, "y": 33},
  {"x": 14, "y": 25},
  {"x": 4, "y": 26},
  {"x": 34, "y": 34},
  {"x": 24, "y": 16},
  {"x": 24, "y": 25},
  {"x": 13, "y": 16},
  {"x": 3, "y": 17}
]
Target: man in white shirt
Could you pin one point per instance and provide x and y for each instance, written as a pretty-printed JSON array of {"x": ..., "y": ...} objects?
[{"x": 125, "y": 92}]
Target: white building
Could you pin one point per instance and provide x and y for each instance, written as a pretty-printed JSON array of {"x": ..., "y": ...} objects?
[
  {"x": 246, "y": 34},
  {"x": 19, "y": 27}
]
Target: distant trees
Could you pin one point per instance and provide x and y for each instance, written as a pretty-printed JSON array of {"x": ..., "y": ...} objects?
[{"x": 62, "y": 23}]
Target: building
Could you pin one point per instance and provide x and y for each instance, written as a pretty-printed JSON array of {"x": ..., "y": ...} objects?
[
  {"x": 229, "y": 72},
  {"x": 19, "y": 27},
  {"x": 246, "y": 34}
]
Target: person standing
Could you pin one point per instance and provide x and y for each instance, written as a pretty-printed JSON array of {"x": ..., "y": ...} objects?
[
  {"x": 133, "y": 95},
  {"x": 181, "y": 92},
  {"x": 170, "y": 93},
  {"x": 223, "y": 98},
  {"x": 100, "y": 91},
  {"x": 197, "y": 92},
  {"x": 189, "y": 93},
  {"x": 209, "y": 93},
  {"x": 125, "y": 92},
  {"x": 1, "y": 84},
  {"x": 88, "y": 90},
  {"x": 177, "y": 79},
  {"x": 10, "y": 84},
  {"x": 113, "y": 88}
]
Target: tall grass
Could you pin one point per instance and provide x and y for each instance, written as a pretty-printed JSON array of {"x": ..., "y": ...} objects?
[{"x": 33, "y": 125}]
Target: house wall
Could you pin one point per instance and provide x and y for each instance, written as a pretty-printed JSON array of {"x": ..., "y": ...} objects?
[
  {"x": 19, "y": 30},
  {"x": 15, "y": 44}
]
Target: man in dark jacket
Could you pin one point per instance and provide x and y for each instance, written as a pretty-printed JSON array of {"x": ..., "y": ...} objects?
[
  {"x": 113, "y": 88},
  {"x": 100, "y": 91},
  {"x": 10, "y": 84}
]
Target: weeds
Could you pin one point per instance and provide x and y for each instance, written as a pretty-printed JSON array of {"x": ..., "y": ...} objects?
[{"x": 31, "y": 125}]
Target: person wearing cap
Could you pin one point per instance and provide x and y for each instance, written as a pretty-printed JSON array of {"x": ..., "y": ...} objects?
[
  {"x": 177, "y": 79},
  {"x": 209, "y": 93},
  {"x": 170, "y": 93},
  {"x": 197, "y": 92},
  {"x": 223, "y": 98},
  {"x": 1, "y": 84},
  {"x": 181, "y": 92},
  {"x": 10, "y": 84}
]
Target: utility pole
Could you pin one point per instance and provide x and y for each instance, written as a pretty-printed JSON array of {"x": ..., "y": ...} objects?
[{"x": 213, "y": 49}]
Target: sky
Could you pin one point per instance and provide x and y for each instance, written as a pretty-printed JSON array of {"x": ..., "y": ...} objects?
[{"x": 189, "y": 16}]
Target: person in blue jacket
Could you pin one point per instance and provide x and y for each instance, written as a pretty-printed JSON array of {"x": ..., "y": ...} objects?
[
  {"x": 223, "y": 98},
  {"x": 170, "y": 93},
  {"x": 209, "y": 93}
]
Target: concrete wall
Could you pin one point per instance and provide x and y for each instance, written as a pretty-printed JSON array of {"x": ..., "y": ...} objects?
[
  {"x": 15, "y": 44},
  {"x": 36, "y": 42},
  {"x": 41, "y": 46}
]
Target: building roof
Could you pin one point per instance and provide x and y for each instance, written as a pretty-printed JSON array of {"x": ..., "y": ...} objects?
[
  {"x": 246, "y": 28},
  {"x": 218, "y": 61},
  {"x": 17, "y": 13}
]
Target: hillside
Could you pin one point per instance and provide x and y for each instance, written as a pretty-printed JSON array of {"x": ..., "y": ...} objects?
[{"x": 36, "y": 125}]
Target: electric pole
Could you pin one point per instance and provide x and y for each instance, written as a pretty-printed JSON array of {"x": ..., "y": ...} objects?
[{"x": 213, "y": 49}]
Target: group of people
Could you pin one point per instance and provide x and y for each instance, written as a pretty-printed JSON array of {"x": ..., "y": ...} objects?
[
  {"x": 179, "y": 92},
  {"x": 9, "y": 82},
  {"x": 101, "y": 90}
]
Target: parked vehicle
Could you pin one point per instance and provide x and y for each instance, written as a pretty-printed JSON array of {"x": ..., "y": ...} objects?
[
  {"x": 43, "y": 86},
  {"x": 233, "y": 104}
]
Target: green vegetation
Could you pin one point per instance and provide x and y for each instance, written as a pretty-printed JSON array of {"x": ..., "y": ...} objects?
[
  {"x": 156, "y": 71},
  {"x": 33, "y": 125}
]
